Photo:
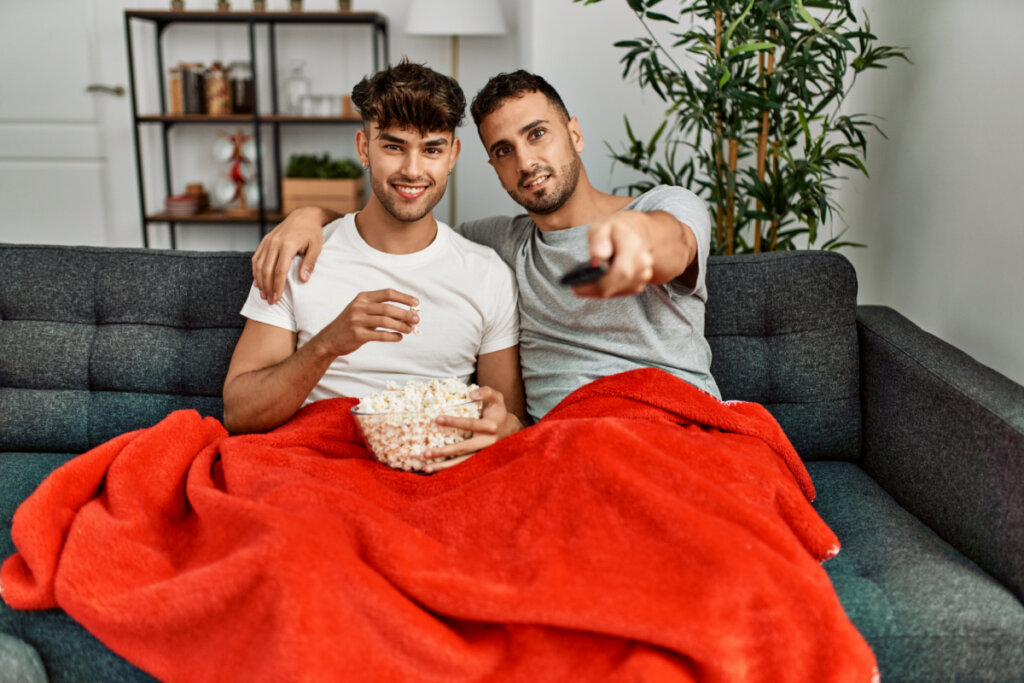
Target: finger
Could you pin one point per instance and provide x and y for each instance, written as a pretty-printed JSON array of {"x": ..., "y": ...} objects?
[
  {"x": 406, "y": 314},
  {"x": 599, "y": 241},
  {"x": 379, "y": 335},
  {"x": 469, "y": 424},
  {"x": 384, "y": 322},
  {"x": 257, "y": 269},
  {"x": 487, "y": 395},
  {"x": 467, "y": 446},
  {"x": 393, "y": 295},
  {"x": 445, "y": 464},
  {"x": 280, "y": 268},
  {"x": 309, "y": 261}
]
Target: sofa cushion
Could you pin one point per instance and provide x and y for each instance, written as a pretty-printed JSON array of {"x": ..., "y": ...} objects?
[
  {"x": 101, "y": 341},
  {"x": 928, "y": 612},
  {"x": 783, "y": 332}
]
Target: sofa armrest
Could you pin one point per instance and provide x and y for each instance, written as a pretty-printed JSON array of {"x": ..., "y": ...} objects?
[{"x": 944, "y": 435}]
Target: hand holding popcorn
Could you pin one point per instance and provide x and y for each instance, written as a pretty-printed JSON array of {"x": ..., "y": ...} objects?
[
  {"x": 370, "y": 316},
  {"x": 493, "y": 424}
]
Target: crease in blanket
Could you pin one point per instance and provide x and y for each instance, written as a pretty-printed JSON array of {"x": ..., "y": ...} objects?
[{"x": 643, "y": 530}]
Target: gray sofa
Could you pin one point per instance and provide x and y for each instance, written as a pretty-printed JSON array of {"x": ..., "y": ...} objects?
[{"x": 917, "y": 451}]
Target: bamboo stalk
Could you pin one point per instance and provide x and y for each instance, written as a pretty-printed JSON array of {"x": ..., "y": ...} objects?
[
  {"x": 730, "y": 206},
  {"x": 718, "y": 32},
  {"x": 774, "y": 229},
  {"x": 764, "y": 72},
  {"x": 718, "y": 140}
]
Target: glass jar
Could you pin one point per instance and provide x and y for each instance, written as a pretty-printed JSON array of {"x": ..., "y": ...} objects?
[
  {"x": 218, "y": 97},
  {"x": 193, "y": 87},
  {"x": 296, "y": 87},
  {"x": 240, "y": 79},
  {"x": 175, "y": 106}
]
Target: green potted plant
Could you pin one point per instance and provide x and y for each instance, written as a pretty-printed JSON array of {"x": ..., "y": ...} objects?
[
  {"x": 760, "y": 114},
  {"x": 319, "y": 180}
]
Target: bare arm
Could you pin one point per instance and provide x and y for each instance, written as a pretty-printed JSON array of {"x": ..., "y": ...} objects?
[
  {"x": 299, "y": 233},
  {"x": 269, "y": 378},
  {"x": 644, "y": 247}
]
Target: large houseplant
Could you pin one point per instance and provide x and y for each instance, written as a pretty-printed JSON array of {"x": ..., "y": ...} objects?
[
  {"x": 761, "y": 112},
  {"x": 310, "y": 179}
]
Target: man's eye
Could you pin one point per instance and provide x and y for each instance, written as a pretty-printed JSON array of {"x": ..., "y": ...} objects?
[
  {"x": 537, "y": 133},
  {"x": 433, "y": 151},
  {"x": 502, "y": 151}
]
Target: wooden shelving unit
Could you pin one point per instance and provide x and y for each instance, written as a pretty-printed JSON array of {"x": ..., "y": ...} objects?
[{"x": 262, "y": 215}]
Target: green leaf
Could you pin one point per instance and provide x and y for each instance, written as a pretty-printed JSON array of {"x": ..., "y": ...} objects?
[
  {"x": 798, "y": 7},
  {"x": 750, "y": 47},
  {"x": 739, "y": 20},
  {"x": 660, "y": 17}
]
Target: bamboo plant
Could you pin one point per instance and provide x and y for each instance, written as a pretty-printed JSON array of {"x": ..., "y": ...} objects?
[{"x": 759, "y": 119}]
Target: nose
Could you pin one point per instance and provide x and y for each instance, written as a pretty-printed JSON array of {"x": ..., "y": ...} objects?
[
  {"x": 525, "y": 162},
  {"x": 412, "y": 166}
]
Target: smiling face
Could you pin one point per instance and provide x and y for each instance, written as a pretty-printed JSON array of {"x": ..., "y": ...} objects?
[
  {"x": 535, "y": 150},
  {"x": 408, "y": 169}
]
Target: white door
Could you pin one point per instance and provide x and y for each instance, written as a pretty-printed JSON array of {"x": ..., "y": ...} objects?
[{"x": 66, "y": 165}]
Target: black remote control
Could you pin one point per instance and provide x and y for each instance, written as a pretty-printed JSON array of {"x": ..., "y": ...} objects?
[{"x": 584, "y": 274}]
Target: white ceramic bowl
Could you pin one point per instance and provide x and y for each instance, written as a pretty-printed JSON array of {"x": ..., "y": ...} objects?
[{"x": 399, "y": 439}]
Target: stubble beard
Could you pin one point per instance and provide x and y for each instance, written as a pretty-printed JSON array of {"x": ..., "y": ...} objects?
[
  {"x": 551, "y": 200},
  {"x": 402, "y": 210}
]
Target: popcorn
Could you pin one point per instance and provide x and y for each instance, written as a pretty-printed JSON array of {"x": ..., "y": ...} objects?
[
  {"x": 415, "y": 328},
  {"x": 399, "y": 424}
]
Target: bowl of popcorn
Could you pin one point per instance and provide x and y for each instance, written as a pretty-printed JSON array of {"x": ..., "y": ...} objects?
[{"x": 400, "y": 424}]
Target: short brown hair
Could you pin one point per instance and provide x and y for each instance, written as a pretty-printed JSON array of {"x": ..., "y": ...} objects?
[
  {"x": 509, "y": 85},
  {"x": 410, "y": 95}
]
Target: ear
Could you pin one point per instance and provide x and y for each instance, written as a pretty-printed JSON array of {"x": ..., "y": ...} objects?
[
  {"x": 363, "y": 147},
  {"x": 575, "y": 134},
  {"x": 456, "y": 150}
]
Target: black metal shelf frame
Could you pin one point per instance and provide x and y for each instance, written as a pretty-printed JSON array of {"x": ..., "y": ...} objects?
[{"x": 163, "y": 19}]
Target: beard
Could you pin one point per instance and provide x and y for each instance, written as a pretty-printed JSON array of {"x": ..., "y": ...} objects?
[
  {"x": 550, "y": 199},
  {"x": 407, "y": 210}
]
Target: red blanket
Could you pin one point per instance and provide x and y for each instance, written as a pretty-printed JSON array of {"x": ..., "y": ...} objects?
[{"x": 642, "y": 531}]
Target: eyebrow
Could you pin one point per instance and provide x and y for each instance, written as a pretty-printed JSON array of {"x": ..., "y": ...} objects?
[
  {"x": 522, "y": 131},
  {"x": 436, "y": 142}
]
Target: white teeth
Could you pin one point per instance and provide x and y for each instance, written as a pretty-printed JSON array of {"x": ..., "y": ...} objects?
[
  {"x": 538, "y": 181},
  {"x": 411, "y": 190}
]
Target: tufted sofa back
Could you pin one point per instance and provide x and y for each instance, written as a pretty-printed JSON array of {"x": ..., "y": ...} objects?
[
  {"x": 96, "y": 342},
  {"x": 783, "y": 333}
]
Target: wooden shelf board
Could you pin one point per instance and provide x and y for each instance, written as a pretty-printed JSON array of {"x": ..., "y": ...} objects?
[
  {"x": 213, "y": 216},
  {"x": 244, "y": 118},
  {"x": 278, "y": 16}
]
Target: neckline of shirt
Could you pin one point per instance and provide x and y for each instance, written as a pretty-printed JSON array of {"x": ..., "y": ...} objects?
[
  {"x": 346, "y": 230},
  {"x": 570, "y": 234}
]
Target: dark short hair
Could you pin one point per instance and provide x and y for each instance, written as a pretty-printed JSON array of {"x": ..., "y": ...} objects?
[
  {"x": 410, "y": 95},
  {"x": 509, "y": 85}
]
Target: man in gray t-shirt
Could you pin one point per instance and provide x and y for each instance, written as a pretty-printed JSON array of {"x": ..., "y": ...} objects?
[
  {"x": 566, "y": 341},
  {"x": 646, "y": 311}
]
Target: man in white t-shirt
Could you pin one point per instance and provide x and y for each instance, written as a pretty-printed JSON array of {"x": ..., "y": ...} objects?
[{"x": 398, "y": 296}]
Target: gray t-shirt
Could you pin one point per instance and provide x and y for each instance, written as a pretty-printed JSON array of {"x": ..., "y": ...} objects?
[{"x": 566, "y": 341}]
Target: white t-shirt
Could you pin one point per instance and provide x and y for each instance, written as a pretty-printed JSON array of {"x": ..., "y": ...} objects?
[{"x": 468, "y": 307}]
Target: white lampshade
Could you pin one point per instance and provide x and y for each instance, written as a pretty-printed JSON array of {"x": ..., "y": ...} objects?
[{"x": 455, "y": 18}]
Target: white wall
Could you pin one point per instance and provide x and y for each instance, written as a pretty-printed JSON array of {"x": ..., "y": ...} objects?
[
  {"x": 941, "y": 212},
  {"x": 943, "y": 231}
]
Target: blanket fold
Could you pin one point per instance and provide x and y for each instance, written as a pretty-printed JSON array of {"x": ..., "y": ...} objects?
[{"x": 643, "y": 530}]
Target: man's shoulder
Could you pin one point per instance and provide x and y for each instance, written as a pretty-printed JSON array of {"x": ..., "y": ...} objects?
[
  {"x": 474, "y": 251},
  {"x": 660, "y": 194},
  {"x": 501, "y": 226}
]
